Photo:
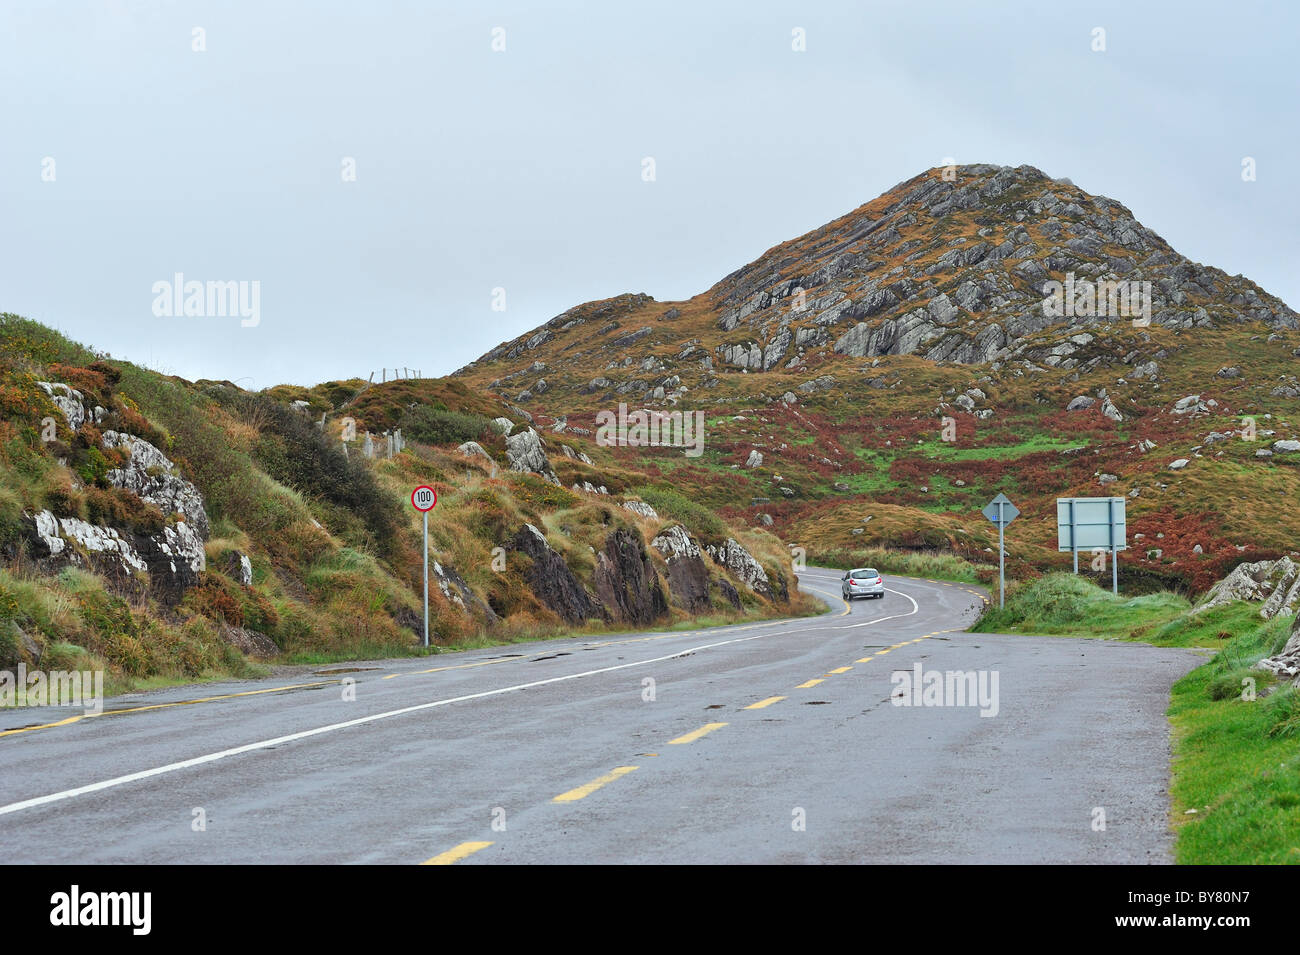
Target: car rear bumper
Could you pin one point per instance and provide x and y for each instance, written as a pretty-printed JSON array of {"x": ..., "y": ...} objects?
[{"x": 875, "y": 591}]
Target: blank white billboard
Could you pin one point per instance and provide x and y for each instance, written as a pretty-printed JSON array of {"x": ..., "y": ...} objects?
[{"x": 1090, "y": 523}]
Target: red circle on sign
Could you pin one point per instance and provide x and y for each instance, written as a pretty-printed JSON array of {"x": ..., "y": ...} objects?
[{"x": 424, "y": 502}]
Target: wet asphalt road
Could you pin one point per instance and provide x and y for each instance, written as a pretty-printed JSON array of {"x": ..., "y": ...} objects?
[{"x": 761, "y": 742}]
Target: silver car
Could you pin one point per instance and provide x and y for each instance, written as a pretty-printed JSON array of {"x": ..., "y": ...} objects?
[{"x": 862, "y": 582}]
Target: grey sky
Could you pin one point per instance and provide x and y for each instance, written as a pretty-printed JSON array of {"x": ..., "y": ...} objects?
[{"x": 522, "y": 169}]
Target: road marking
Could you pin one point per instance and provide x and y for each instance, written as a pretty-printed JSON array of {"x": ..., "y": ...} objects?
[
  {"x": 46, "y": 726},
  {"x": 847, "y": 608},
  {"x": 363, "y": 720},
  {"x": 764, "y": 703},
  {"x": 582, "y": 792},
  {"x": 841, "y": 670},
  {"x": 804, "y": 686},
  {"x": 867, "y": 623},
  {"x": 863, "y": 660},
  {"x": 693, "y": 735},
  {"x": 459, "y": 666},
  {"x": 452, "y": 856},
  {"x": 881, "y": 653},
  {"x": 163, "y": 706}
]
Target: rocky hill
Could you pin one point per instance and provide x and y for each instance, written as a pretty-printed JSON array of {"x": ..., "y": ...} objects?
[
  {"x": 170, "y": 529},
  {"x": 976, "y": 329}
]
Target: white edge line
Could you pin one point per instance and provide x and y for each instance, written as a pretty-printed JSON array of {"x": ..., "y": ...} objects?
[{"x": 305, "y": 734}]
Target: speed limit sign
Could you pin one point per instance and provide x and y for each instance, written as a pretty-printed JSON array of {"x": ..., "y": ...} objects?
[{"x": 423, "y": 498}]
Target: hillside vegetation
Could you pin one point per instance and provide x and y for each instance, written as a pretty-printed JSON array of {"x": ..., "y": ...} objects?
[
  {"x": 169, "y": 529},
  {"x": 896, "y": 369}
]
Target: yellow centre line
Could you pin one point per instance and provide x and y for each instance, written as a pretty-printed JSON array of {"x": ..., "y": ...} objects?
[
  {"x": 693, "y": 735},
  {"x": 841, "y": 670},
  {"x": 164, "y": 706},
  {"x": 45, "y": 726},
  {"x": 804, "y": 686},
  {"x": 452, "y": 856},
  {"x": 582, "y": 792},
  {"x": 764, "y": 703},
  {"x": 458, "y": 666},
  {"x": 881, "y": 653},
  {"x": 863, "y": 660}
]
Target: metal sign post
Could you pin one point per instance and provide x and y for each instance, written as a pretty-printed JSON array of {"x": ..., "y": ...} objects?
[
  {"x": 1001, "y": 512},
  {"x": 423, "y": 499}
]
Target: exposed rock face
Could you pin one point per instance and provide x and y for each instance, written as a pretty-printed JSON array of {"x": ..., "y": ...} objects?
[
  {"x": 626, "y": 581},
  {"x": 904, "y": 274},
  {"x": 459, "y": 593},
  {"x": 742, "y": 565},
  {"x": 504, "y": 425},
  {"x": 70, "y": 402},
  {"x": 1275, "y": 582},
  {"x": 728, "y": 592},
  {"x": 576, "y": 455},
  {"x": 550, "y": 579},
  {"x": 1287, "y": 663},
  {"x": 641, "y": 508},
  {"x": 172, "y": 558},
  {"x": 239, "y": 567},
  {"x": 755, "y": 459},
  {"x": 249, "y": 642},
  {"x": 155, "y": 479},
  {"x": 526, "y": 453},
  {"x": 688, "y": 577},
  {"x": 473, "y": 449}
]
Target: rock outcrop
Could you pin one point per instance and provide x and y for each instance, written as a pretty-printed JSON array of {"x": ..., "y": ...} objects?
[
  {"x": 1286, "y": 664},
  {"x": 157, "y": 480},
  {"x": 550, "y": 578},
  {"x": 459, "y": 594},
  {"x": 688, "y": 576},
  {"x": 526, "y": 452},
  {"x": 626, "y": 581},
  {"x": 1274, "y": 582},
  {"x": 166, "y": 563},
  {"x": 741, "y": 564}
]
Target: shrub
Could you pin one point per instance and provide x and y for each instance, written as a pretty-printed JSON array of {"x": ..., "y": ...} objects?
[
  {"x": 297, "y": 454},
  {"x": 698, "y": 519},
  {"x": 432, "y": 425}
]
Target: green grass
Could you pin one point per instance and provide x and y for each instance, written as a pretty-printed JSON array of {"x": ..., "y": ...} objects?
[
  {"x": 1237, "y": 761},
  {"x": 956, "y": 451},
  {"x": 934, "y": 566},
  {"x": 1066, "y": 605}
]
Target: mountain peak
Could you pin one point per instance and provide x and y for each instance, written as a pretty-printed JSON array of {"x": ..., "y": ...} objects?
[{"x": 958, "y": 263}]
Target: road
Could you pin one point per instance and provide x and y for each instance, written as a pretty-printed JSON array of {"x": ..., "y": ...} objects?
[{"x": 772, "y": 742}]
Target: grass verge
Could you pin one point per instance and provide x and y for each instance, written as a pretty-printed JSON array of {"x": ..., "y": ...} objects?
[{"x": 1236, "y": 734}]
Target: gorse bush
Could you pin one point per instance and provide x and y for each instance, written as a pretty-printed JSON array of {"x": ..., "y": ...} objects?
[
  {"x": 298, "y": 454},
  {"x": 433, "y": 425}
]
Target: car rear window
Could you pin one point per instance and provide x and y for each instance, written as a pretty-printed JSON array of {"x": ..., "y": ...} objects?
[{"x": 864, "y": 574}]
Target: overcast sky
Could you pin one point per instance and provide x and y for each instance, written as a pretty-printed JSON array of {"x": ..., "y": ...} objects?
[{"x": 127, "y": 156}]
